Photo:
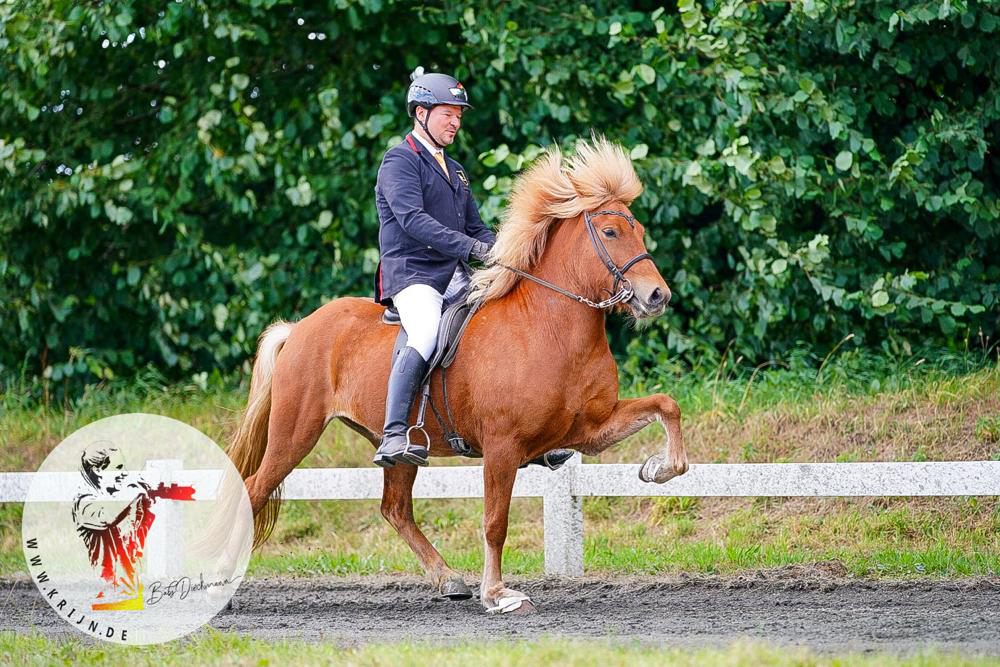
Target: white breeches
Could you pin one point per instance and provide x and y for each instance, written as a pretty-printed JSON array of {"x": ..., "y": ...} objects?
[{"x": 419, "y": 309}]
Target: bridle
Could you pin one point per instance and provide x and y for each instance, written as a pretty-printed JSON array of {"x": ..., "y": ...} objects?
[{"x": 625, "y": 292}]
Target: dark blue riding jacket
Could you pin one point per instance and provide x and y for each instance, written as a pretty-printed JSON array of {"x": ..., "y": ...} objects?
[{"x": 427, "y": 221}]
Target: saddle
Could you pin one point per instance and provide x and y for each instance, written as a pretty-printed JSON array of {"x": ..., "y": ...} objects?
[{"x": 455, "y": 318}]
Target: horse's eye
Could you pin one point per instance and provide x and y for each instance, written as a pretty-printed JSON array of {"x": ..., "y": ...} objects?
[{"x": 610, "y": 233}]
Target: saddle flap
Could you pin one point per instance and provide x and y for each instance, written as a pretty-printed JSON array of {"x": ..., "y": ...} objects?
[
  {"x": 452, "y": 321},
  {"x": 461, "y": 322}
]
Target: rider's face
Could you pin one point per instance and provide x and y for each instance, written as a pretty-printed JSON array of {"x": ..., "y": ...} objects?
[{"x": 443, "y": 121}]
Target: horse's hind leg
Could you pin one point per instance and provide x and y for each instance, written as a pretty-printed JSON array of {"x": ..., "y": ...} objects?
[
  {"x": 295, "y": 425},
  {"x": 397, "y": 508}
]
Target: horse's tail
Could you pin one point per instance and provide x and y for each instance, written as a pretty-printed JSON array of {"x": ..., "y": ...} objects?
[{"x": 248, "y": 445}]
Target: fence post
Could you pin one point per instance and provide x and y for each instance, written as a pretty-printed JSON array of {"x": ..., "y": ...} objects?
[{"x": 563, "y": 522}]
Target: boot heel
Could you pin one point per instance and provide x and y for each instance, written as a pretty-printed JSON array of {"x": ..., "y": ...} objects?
[{"x": 383, "y": 461}]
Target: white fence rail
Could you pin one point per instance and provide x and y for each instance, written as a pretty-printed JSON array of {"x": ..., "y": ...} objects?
[{"x": 562, "y": 490}]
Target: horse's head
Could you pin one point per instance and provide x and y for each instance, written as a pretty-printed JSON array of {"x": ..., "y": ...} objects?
[
  {"x": 568, "y": 222},
  {"x": 613, "y": 256}
]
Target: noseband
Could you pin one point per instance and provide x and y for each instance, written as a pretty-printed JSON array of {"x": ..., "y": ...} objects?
[{"x": 618, "y": 294}]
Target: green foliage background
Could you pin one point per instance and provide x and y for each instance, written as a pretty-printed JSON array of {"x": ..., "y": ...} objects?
[{"x": 176, "y": 175}]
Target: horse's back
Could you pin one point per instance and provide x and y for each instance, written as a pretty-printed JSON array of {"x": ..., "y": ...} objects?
[
  {"x": 331, "y": 349},
  {"x": 346, "y": 311},
  {"x": 336, "y": 324}
]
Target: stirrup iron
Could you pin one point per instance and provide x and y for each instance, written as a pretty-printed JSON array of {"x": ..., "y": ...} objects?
[{"x": 409, "y": 456}]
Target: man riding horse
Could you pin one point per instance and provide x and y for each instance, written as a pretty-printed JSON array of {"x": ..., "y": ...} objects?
[{"x": 429, "y": 229}]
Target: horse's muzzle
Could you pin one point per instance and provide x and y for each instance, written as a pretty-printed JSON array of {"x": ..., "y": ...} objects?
[{"x": 652, "y": 305}]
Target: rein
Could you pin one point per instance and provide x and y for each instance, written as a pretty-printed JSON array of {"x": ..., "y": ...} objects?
[{"x": 624, "y": 293}]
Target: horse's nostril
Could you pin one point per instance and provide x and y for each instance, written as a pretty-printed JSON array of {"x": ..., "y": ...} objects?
[{"x": 656, "y": 298}]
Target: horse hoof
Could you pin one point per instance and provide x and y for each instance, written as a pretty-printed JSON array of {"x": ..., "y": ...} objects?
[
  {"x": 515, "y": 604},
  {"x": 553, "y": 460},
  {"x": 654, "y": 470},
  {"x": 649, "y": 469},
  {"x": 455, "y": 589}
]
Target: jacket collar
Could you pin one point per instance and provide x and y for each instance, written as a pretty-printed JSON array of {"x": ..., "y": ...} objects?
[
  {"x": 426, "y": 144},
  {"x": 418, "y": 147}
]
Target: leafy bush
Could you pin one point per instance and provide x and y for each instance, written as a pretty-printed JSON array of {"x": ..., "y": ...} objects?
[{"x": 179, "y": 174}]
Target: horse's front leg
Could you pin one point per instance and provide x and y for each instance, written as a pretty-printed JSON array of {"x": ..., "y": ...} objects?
[
  {"x": 499, "y": 471},
  {"x": 632, "y": 415}
]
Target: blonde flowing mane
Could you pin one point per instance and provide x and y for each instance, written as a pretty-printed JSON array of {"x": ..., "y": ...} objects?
[{"x": 600, "y": 173}]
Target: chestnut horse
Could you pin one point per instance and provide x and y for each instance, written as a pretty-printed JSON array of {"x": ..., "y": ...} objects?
[{"x": 533, "y": 372}]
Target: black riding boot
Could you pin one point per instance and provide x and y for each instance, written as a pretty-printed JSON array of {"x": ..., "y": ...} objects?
[
  {"x": 404, "y": 381},
  {"x": 553, "y": 459}
]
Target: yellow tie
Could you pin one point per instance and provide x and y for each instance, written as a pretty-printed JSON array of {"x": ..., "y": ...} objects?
[{"x": 440, "y": 158}]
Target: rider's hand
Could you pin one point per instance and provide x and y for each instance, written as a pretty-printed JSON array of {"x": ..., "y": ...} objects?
[{"x": 480, "y": 251}]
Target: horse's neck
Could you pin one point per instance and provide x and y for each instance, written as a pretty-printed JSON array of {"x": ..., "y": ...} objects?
[
  {"x": 561, "y": 325},
  {"x": 566, "y": 323}
]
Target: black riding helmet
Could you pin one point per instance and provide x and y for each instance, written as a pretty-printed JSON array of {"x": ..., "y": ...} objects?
[{"x": 431, "y": 90}]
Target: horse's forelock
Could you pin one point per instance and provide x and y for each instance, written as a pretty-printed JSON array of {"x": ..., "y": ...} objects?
[{"x": 602, "y": 172}]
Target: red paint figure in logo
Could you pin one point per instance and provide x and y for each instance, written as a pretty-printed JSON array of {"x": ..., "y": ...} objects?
[{"x": 113, "y": 517}]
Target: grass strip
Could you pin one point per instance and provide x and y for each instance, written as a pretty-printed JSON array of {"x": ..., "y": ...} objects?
[{"x": 213, "y": 648}]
